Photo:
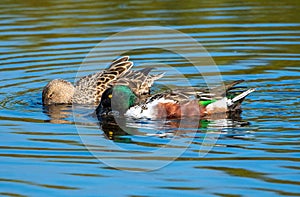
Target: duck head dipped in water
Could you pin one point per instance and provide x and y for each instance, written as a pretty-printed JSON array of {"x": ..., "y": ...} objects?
[{"x": 89, "y": 89}]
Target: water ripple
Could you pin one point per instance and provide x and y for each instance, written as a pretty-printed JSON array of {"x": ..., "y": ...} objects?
[{"x": 41, "y": 150}]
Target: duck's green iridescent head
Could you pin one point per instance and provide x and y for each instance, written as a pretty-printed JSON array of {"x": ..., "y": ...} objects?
[{"x": 118, "y": 98}]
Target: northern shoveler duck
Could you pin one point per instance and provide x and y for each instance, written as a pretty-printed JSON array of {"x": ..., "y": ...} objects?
[
  {"x": 172, "y": 104},
  {"x": 89, "y": 89}
]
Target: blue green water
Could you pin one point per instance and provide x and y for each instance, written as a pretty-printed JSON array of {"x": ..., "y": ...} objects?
[{"x": 42, "y": 152}]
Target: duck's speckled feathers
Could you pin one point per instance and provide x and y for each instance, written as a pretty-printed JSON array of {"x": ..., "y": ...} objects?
[
  {"x": 139, "y": 81},
  {"x": 88, "y": 89}
]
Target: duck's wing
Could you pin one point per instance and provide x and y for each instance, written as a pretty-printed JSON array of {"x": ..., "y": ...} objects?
[
  {"x": 229, "y": 90},
  {"x": 146, "y": 82},
  {"x": 139, "y": 81},
  {"x": 117, "y": 61},
  {"x": 90, "y": 88},
  {"x": 225, "y": 89},
  {"x": 168, "y": 95}
]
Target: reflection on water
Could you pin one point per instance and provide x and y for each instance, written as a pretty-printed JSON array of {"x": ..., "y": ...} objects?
[
  {"x": 41, "y": 151},
  {"x": 118, "y": 127},
  {"x": 59, "y": 113}
]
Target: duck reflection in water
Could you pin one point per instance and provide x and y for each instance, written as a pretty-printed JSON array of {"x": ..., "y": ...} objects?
[
  {"x": 59, "y": 114},
  {"x": 120, "y": 128}
]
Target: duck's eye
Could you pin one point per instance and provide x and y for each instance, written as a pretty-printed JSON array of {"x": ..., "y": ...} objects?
[
  {"x": 110, "y": 96},
  {"x": 50, "y": 95}
]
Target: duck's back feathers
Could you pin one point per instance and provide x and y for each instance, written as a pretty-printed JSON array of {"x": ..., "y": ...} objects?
[
  {"x": 117, "y": 61},
  {"x": 139, "y": 81},
  {"x": 90, "y": 88}
]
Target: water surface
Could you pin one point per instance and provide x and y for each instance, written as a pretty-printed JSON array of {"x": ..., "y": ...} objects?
[{"x": 42, "y": 152}]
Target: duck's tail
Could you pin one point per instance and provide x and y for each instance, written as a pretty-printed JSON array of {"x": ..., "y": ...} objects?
[
  {"x": 235, "y": 102},
  {"x": 228, "y": 99}
]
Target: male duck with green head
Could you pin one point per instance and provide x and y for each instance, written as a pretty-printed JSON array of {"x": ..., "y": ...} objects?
[{"x": 169, "y": 104}]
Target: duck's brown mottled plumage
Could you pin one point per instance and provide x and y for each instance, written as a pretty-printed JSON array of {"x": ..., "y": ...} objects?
[{"x": 88, "y": 89}]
